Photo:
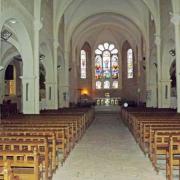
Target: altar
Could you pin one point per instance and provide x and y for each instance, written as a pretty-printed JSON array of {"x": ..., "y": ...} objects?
[{"x": 107, "y": 101}]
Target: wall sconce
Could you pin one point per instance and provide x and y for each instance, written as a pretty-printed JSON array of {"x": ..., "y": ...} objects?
[
  {"x": 155, "y": 64},
  {"x": 13, "y": 21},
  {"x": 172, "y": 52},
  {"x": 1, "y": 68},
  {"x": 5, "y": 34},
  {"x": 41, "y": 57},
  {"x": 59, "y": 66},
  {"x": 138, "y": 90},
  {"x": 84, "y": 92}
]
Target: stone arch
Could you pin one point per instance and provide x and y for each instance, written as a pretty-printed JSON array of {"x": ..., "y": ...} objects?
[
  {"x": 22, "y": 33},
  {"x": 23, "y": 38}
]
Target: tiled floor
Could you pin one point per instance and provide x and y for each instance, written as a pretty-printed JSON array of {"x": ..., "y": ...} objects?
[{"x": 107, "y": 152}]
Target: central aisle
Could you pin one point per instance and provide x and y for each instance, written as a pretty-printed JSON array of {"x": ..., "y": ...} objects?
[{"x": 107, "y": 152}]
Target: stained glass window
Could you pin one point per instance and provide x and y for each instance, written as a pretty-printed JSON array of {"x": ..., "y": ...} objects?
[
  {"x": 106, "y": 66},
  {"x": 130, "y": 63},
  {"x": 98, "y": 84},
  {"x": 83, "y": 64},
  {"x": 115, "y": 84},
  {"x": 106, "y": 84}
]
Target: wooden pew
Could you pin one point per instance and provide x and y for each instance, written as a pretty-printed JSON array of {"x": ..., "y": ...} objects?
[
  {"x": 75, "y": 133},
  {"x": 30, "y": 130},
  {"x": 160, "y": 144},
  {"x": 146, "y": 132},
  {"x": 51, "y": 142},
  {"x": 69, "y": 133},
  {"x": 173, "y": 157},
  {"x": 61, "y": 141},
  {"x": 29, "y": 146},
  {"x": 26, "y": 165},
  {"x": 77, "y": 123},
  {"x": 6, "y": 172},
  {"x": 152, "y": 130},
  {"x": 53, "y": 139}
]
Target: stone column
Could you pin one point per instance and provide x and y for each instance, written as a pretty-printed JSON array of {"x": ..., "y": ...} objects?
[
  {"x": 28, "y": 95},
  {"x": 1, "y": 85},
  {"x": 166, "y": 93},
  {"x": 50, "y": 95},
  {"x": 37, "y": 27},
  {"x": 65, "y": 86},
  {"x": 158, "y": 46},
  {"x": 55, "y": 83},
  {"x": 176, "y": 21},
  {"x": 63, "y": 96}
]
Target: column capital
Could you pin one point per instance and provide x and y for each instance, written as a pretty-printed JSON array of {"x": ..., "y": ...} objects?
[
  {"x": 28, "y": 78},
  {"x": 175, "y": 19},
  {"x": 157, "y": 39},
  {"x": 165, "y": 80},
  {"x": 65, "y": 86},
  {"x": 50, "y": 83}
]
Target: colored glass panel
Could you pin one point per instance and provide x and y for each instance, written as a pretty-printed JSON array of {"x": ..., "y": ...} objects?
[
  {"x": 106, "y": 85},
  {"x": 115, "y": 84},
  {"x": 83, "y": 64},
  {"x": 106, "y": 66},
  {"x": 98, "y": 85},
  {"x": 130, "y": 64}
]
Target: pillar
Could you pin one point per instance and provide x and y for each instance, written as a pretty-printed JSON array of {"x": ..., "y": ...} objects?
[
  {"x": 2, "y": 84},
  {"x": 166, "y": 93},
  {"x": 55, "y": 83},
  {"x": 28, "y": 95},
  {"x": 50, "y": 95},
  {"x": 158, "y": 75},
  {"x": 176, "y": 21},
  {"x": 37, "y": 27},
  {"x": 64, "y": 83},
  {"x": 63, "y": 96}
]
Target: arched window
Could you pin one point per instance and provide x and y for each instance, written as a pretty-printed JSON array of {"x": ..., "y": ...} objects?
[
  {"x": 106, "y": 66},
  {"x": 10, "y": 78},
  {"x": 83, "y": 64},
  {"x": 130, "y": 64}
]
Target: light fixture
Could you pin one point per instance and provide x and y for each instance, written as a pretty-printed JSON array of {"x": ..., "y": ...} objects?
[
  {"x": 125, "y": 104},
  {"x": 13, "y": 21},
  {"x": 138, "y": 90},
  {"x": 84, "y": 92},
  {"x": 155, "y": 64},
  {"x": 172, "y": 52},
  {"x": 59, "y": 66},
  {"x": 1, "y": 68},
  {"x": 5, "y": 34},
  {"x": 41, "y": 57}
]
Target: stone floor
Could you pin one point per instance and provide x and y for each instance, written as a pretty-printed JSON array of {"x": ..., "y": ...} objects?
[{"x": 107, "y": 152}]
